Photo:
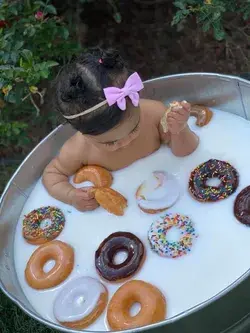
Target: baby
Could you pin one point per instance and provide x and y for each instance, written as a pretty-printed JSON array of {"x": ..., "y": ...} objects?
[{"x": 98, "y": 96}]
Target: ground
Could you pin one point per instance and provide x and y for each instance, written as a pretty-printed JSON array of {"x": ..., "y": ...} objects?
[{"x": 153, "y": 48}]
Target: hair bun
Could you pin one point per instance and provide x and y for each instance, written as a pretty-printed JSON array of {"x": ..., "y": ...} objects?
[
  {"x": 75, "y": 89},
  {"x": 112, "y": 59}
]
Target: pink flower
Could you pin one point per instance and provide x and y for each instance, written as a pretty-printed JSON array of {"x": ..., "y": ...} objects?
[{"x": 39, "y": 15}]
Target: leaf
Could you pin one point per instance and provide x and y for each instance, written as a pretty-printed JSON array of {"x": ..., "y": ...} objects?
[
  {"x": 50, "y": 9},
  {"x": 27, "y": 55},
  {"x": 117, "y": 17},
  {"x": 18, "y": 45},
  {"x": 14, "y": 57},
  {"x": 179, "y": 4},
  {"x": 51, "y": 63},
  {"x": 11, "y": 97},
  {"x": 219, "y": 34},
  {"x": 65, "y": 32}
]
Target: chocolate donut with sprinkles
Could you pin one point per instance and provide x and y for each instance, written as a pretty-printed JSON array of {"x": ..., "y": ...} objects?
[
  {"x": 33, "y": 230},
  {"x": 225, "y": 172},
  {"x": 157, "y": 235}
]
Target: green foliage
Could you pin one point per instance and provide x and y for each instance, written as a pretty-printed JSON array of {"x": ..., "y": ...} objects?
[
  {"x": 210, "y": 13},
  {"x": 33, "y": 42}
]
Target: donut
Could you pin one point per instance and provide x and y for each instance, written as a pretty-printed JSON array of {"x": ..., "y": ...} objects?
[
  {"x": 157, "y": 236},
  {"x": 61, "y": 253},
  {"x": 80, "y": 302},
  {"x": 225, "y": 172},
  {"x": 159, "y": 192},
  {"x": 97, "y": 175},
  {"x": 202, "y": 114},
  {"x": 114, "y": 243},
  {"x": 34, "y": 233},
  {"x": 152, "y": 301},
  {"x": 242, "y": 206},
  {"x": 110, "y": 200}
]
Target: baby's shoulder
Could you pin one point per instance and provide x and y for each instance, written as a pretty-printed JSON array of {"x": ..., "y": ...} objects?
[
  {"x": 153, "y": 109},
  {"x": 75, "y": 147}
]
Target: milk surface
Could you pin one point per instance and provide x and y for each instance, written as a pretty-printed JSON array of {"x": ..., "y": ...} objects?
[{"x": 218, "y": 256}]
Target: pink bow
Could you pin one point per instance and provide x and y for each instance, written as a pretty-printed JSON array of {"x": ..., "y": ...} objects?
[{"x": 116, "y": 95}]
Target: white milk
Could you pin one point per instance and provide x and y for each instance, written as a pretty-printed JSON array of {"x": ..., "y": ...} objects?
[{"x": 218, "y": 256}]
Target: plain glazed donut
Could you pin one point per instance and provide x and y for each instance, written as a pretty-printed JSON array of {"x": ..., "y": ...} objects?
[
  {"x": 97, "y": 175},
  {"x": 225, "y": 172},
  {"x": 242, "y": 206},
  {"x": 114, "y": 243},
  {"x": 202, "y": 114},
  {"x": 153, "y": 306},
  {"x": 32, "y": 230},
  {"x": 80, "y": 302},
  {"x": 62, "y": 253},
  {"x": 110, "y": 200},
  {"x": 159, "y": 192}
]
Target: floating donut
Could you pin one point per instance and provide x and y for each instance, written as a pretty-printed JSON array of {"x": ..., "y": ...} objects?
[
  {"x": 152, "y": 301},
  {"x": 116, "y": 242},
  {"x": 157, "y": 236},
  {"x": 80, "y": 302},
  {"x": 97, "y": 175},
  {"x": 202, "y": 114},
  {"x": 225, "y": 172},
  {"x": 61, "y": 253},
  {"x": 110, "y": 200},
  {"x": 242, "y": 206},
  {"x": 157, "y": 193},
  {"x": 34, "y": 233}
]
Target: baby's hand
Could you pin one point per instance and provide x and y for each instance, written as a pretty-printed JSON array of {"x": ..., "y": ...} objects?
[
  {"x": 83, "y": 199},
  {"x": 178, "y": 116}
]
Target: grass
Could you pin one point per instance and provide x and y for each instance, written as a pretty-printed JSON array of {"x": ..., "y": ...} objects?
[{"x": 14, "y": 320}]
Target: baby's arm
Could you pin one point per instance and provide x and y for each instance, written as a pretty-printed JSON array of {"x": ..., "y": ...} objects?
[
  {"x": 179, "y": 136},
  {"x": 56, "y": 176}
]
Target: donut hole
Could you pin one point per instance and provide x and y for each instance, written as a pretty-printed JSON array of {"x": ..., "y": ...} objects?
[
  {"x": 79, "y": 300},
  {"x": 46, "y": 223},
  {"x": 173, "y": 234},
  {"x": 48, "y": 266},
  {"x": 135, "y": 309},
  {"x": 214, "y": 182},
  {"x": 120, "y": 257}
]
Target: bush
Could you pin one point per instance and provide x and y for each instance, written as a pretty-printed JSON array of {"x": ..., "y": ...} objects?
[
  {"x": 33, "y": 42},
  {"x": 210, "y": 13}
]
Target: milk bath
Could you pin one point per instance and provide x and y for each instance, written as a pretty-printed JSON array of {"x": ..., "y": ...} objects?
[{"x": 218, "y": 256}]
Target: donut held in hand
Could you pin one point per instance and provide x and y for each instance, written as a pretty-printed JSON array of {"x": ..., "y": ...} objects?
[{"x": 97, "y": 175}]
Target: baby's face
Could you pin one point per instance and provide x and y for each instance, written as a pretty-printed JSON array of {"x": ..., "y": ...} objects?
[{"x": 120, "y": 136}]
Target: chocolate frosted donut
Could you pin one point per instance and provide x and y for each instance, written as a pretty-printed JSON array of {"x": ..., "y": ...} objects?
[
  {"x": 242, "y": 206},
  {"x": 114, "y": 243},
  {"x": 225, "y": 172}
]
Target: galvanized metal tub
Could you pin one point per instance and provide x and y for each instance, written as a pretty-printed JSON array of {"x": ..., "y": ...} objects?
[{"x": 221, "y": 312}]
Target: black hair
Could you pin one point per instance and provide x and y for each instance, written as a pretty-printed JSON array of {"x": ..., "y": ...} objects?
[{"x": 80, "y": 86}]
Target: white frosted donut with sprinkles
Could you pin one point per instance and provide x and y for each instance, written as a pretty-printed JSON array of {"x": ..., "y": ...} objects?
[
  {"x": 158, "y": 193},
  {"x": 80, "y": 302},
  {"x": 157, "y": 235}
]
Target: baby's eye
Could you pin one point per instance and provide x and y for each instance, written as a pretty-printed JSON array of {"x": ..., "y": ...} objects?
[{"x": 111, "y": 143}]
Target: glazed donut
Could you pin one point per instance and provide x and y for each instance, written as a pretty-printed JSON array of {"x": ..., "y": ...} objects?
[
  {"x": 32, "y": 229},
  {"x": 159, "y": 229},
  {"x": 80, "y": 302},
  {"x": 202, "y": 114},
  {"x": 62, "y": 253},
  {"x": 97, "y": 175},
  {"x": 110, "y": 200},
  {"x": 157, "y": 193},
  {"x": 213, "y": 168},
  {"x": 242, "y": 206},
  {"x": 116, "y": 242},
  {"x": 152, "y": 301}
]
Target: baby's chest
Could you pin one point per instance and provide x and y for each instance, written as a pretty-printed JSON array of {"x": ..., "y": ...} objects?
[{"x": 122, "y": 158}]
